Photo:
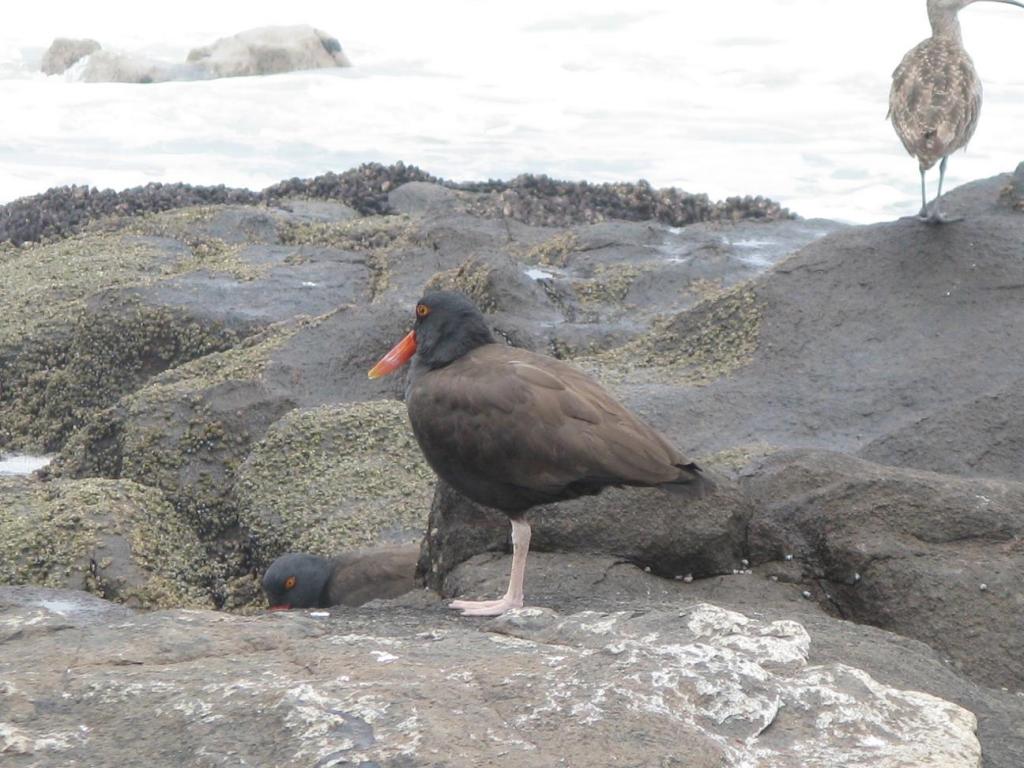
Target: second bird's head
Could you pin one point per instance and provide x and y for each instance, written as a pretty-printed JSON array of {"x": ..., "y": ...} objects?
[{"x": 447, "y": 325}]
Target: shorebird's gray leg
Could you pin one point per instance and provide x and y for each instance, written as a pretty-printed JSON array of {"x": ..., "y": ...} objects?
[
  {"x": 514, "y": 594},
  {"x": 937, "y": 216},
  {"x": 923, "y": 215}
]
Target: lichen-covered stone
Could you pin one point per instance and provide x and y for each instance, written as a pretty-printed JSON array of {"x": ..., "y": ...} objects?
[
  {"x": 335, "y": 477},
  {"x": 189, "y": 429},
  {"x": 114, "y": 538},
  {"x": 366, "y": 233},
  {"x": 700, "y": 345},
  {"x": 64, "y": 378},
  {"x": 473, "y": 278}
]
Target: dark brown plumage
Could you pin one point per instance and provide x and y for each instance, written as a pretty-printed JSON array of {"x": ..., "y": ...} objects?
[
  {"x": 935, "y": 100},
  {"x": 511, "y": 429},
  {"x": 353, "y": 578}
]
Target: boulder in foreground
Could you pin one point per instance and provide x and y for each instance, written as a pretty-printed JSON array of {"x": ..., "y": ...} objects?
[{"x": 698, "y": 686}]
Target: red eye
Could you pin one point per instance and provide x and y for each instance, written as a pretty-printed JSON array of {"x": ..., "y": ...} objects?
[
  {"x": 422, "y": 310},
  {"x": 290, "y": 582}
]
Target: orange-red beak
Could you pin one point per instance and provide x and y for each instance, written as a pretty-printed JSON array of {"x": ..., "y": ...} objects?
[{"x": 396, "y": 358}]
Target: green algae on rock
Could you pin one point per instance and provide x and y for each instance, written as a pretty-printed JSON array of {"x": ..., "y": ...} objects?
[
  {"x": 554, "y": 252},
  {"x": 334, "y": 477},
  {"x": 704, "y": 343},
  {"x": 64, "y": 378},
  {"x": 473, "y": 278},
  {"x": 114, "y": 538},
  {"x": 366, "y": 233},
  {"x": 187, "y": 431},
  {"x": 608, "y": 286}
]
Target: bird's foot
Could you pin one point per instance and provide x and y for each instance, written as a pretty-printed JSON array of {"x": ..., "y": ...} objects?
[
  {"x": 935, "y": 216},
  {"x": 486, "y": 607}
]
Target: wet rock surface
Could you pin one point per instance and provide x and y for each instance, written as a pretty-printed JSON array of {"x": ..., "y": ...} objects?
[{"x": 201, "y": 374}]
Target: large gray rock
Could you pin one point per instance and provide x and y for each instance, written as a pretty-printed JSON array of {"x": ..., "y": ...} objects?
[
  {"x": 981, "y": 437},
  {"x": 695, "y": 685},
  {"x": 929, "y": 556},
  {"x": 861, "y": 334},
  {"x": 261, "y": 51},
  {"x": 569, "y": 583},
  {"x": 65, "y": 52},
  {"x": 671, "y": 536},
  {"x": 269, "y": 51}
]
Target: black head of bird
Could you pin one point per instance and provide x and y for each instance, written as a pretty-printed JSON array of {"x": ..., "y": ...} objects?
[
  {"x": 447, "y": 326},
  {"x": 296, "y": 581}
]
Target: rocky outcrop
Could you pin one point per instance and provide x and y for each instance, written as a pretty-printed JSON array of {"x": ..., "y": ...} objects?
[
  {"x": 262, "y": 51},
  {"x": 668, "y": 535},
  {"x": 113, "y": 538},
  {"x": 269, "y": 51},
  {"x": 409, "y": 687},
  {"x": 373, "y": 188},
  {"x": 333, "y": 478},
  {"x": 114, "y": 67},
  {"x": 64, "y": 52},
  {"x": 926, "y": 555},
  {"x": 214, "y": 359}
]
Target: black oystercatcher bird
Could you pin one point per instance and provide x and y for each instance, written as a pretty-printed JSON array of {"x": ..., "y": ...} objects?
[
  {"x": 511, "y": 429},
  {"x": 308, "y": 581}
]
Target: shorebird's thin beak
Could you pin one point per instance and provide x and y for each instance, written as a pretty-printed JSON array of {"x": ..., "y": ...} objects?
[
  {"x": 396, "y": 358},
  {"x": 1007, "y": 2}
]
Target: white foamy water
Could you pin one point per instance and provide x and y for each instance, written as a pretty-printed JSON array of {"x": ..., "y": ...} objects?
[
  {"x": 785, "y": 98},
  {"x": 22, "y": 465}
]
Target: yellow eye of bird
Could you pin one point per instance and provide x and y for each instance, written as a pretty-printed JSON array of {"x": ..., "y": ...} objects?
[
  {"x": 422, "y": 310},
  {"x": 289, "y": 582}
]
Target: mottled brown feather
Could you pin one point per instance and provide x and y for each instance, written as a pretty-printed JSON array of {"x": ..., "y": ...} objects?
[
  {"x": 511, "y": 429},
  {"x": 935, "y": 100}
]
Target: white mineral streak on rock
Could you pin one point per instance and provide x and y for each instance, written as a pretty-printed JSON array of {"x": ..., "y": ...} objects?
[
  {"x": 706, "y": 685},
  {"x": 730, "y": 678},
  {"x": 18, "y": 741},
  {"x": 333, "y": 724}
]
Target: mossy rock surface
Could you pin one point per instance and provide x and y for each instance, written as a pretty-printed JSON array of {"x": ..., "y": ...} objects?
[
  {"x": 700, "y": 345},
  {"x": 114, "y": 538},
  {"x": 109, "y": 349},
  {"x": 331, "y": 478}
]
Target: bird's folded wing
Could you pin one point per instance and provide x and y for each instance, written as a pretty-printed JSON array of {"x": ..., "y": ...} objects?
[{"x": 544, "y": 423}]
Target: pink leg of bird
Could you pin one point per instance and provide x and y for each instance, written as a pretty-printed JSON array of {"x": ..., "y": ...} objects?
[{"x": 514, "y": 595}]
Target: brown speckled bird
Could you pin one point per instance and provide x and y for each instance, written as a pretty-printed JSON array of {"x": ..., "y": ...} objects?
[{"x": 936, "y": 97}]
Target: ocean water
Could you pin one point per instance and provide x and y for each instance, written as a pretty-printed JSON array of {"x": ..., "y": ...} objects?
[{"x": 784, "y": 98}]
